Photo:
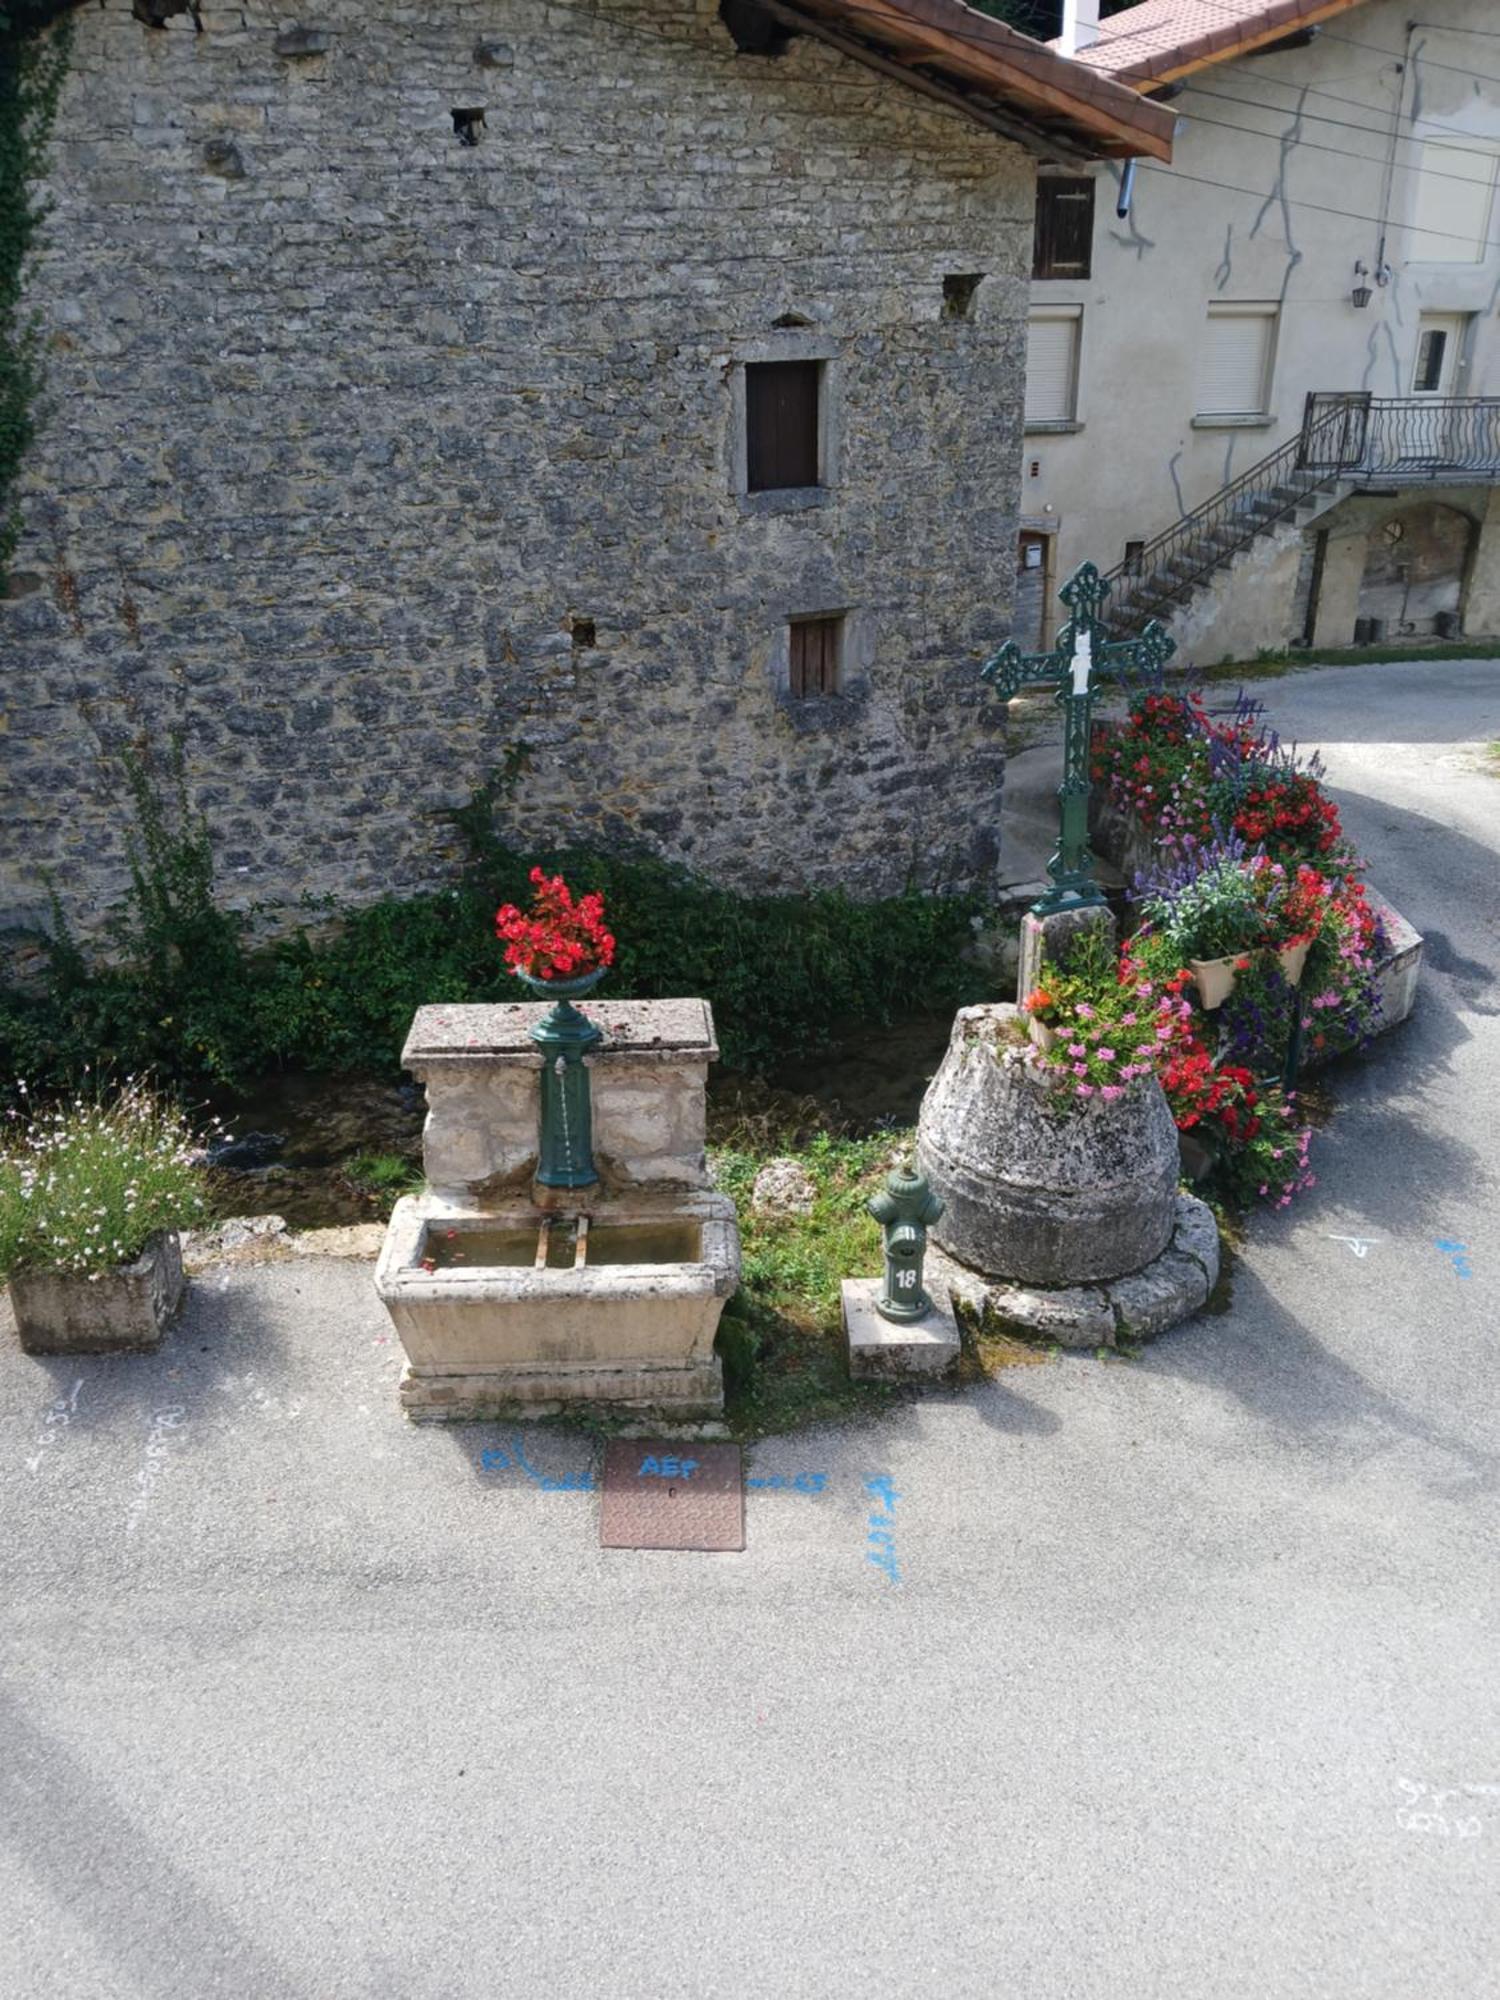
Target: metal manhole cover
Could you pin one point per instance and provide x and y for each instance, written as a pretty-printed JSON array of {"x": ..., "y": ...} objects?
[{"x": 663, "y": 1494}]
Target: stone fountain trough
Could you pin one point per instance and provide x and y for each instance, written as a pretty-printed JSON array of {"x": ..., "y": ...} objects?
[{"x": 508, "y": 1295}]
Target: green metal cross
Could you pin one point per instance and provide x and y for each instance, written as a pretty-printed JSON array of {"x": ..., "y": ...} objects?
[{"x": 1082, "y": 652}]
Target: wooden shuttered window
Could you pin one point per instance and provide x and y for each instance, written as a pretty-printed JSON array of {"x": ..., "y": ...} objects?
[
  {"x": 816, "y": 644},
  {"x": 781, "y": 424},
  {"x": 1064, "y": 227}
]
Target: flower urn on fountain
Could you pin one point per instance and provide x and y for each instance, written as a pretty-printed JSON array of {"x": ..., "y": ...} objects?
[{"x": 568, "y": 1249}]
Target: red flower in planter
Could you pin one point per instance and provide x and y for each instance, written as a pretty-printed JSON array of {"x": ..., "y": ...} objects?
[{"x": 560, "y": 938}]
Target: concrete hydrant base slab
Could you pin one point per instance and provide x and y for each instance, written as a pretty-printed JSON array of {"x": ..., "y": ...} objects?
[
  {"x": 1134, "y": 1307},
  {"x": 884, "y": 1350}
]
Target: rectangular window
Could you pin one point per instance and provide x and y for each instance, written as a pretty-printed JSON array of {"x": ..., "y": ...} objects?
[
  {"x": 1234, "y": 366},
  {"x": 814, "y": 656},
  {"x": 1064, "y": 242},
  {"x": 1133, "y": 553},
  {"x": 1052, "y": 365},
  {"x": 781, "y": 424},
  {"x": 1432, "y": 356},
  {"x": 1455, "y": 194}
]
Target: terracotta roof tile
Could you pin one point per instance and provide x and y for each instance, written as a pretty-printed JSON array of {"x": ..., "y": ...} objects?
[{"x": 1162, "y": 38}]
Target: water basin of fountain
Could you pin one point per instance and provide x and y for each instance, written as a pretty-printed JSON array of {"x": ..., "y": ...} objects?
[{"x": 507, "y": 1309}]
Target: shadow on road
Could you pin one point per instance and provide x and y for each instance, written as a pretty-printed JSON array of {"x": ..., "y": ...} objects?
[
  {"x": 1267, "y": 1360},
  {"x": 100, "y": 1863}
]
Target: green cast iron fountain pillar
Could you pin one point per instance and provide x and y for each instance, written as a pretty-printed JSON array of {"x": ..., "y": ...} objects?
[{"x": 565, "y": 1036}]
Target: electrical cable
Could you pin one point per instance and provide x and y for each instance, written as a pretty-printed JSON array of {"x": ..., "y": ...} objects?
[
  {"x": 1343, "y": 152},
  {"x": 1429, "y": 126},
  {"x": 1318, "y": 207}
]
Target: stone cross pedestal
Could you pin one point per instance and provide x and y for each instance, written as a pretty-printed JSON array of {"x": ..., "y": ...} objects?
[
  {"x": 1061, "y": 1216},
  {"x": 1052, "y": 937}
]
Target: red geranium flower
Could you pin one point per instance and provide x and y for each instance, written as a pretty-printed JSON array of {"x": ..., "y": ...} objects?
[{"x": 560, "y": 939}]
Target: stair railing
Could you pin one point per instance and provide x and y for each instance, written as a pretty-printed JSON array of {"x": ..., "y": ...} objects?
[{"x": 1331, "y": 441}]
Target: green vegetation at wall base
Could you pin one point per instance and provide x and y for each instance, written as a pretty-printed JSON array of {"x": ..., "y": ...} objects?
[{"x": 185, "y": 995}]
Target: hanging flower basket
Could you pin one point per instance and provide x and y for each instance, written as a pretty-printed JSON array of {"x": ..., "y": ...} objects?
[
  {"x": 1214, "y": 979},
  {"x": 1292, "y": 958}
]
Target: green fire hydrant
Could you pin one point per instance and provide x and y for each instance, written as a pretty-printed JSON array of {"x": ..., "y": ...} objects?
[{"x": 904, "y": 1208}]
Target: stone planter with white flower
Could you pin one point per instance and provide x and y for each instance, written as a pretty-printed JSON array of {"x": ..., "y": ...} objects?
[{"x": 92, "y": 1197}]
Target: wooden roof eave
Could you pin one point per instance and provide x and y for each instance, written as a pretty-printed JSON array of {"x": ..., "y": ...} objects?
[{"x": 1019, "y": 87}]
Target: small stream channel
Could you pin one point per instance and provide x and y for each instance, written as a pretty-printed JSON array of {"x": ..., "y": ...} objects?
[{"x": 296, "y": 1136}]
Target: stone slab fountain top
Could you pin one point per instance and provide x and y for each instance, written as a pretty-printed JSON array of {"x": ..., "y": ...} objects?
[{"x": 642, "y": 1030}]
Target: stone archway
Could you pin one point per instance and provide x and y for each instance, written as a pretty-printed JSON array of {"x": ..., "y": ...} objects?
[{"x": 1416, "y": 563}]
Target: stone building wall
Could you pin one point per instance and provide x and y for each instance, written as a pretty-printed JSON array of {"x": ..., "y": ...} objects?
[{"x": 374, "y": 456}]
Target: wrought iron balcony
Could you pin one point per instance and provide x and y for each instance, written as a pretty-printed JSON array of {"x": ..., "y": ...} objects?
[
  {"x": 1401, "y": 438},
  {"x": 1347, "y": 439}
]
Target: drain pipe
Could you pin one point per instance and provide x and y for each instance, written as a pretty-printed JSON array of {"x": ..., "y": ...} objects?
[{"x": 1127, "y": 189}]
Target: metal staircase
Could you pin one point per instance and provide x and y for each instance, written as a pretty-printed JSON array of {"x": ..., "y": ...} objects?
[{"x": 1346, "y": 441}]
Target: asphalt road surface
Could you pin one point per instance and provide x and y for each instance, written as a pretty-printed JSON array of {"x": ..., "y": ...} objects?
[{"x": 1185, "y": 1683}]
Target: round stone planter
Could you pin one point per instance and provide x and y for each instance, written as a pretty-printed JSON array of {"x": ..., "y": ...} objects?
[
  {"x": 121, "y": 1311},
  {"x": 1038, "y": 1185}
]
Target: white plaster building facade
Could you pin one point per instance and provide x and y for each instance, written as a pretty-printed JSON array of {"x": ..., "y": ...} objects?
[{"x": 1329, "y": 224}]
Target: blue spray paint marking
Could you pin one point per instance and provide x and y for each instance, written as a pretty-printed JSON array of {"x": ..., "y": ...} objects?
[
  {"x": 1458, "y": 1253},
  {"x": 786, "y": 1482},
  {"x": 512, "y": 1458},
  {"x": 881, "y": 1528},
  {"x": 493, "y": 1459}
]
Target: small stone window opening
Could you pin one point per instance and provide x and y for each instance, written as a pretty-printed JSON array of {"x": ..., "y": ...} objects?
[
  {"x": 815, "y": 656},
  {"x": 583, "y": 634},
  {"x": 1133, "y": 553},
  {"x": 782, "y": 425},
  {"x": 157, "y": 13},
  {"x": 959, "y": 292},
  {"x": 468, "y": 124},
  {"x": 753, "y": 31}
]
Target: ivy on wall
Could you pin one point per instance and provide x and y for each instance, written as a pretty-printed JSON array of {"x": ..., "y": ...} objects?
[{"x": 35, "y": 37}]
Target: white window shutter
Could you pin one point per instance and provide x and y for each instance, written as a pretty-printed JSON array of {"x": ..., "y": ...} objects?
[
  {"x": 1051, "y": 368},
  {"x": 1451, "y": 212},
  {"x": 1234, "y": 366}
]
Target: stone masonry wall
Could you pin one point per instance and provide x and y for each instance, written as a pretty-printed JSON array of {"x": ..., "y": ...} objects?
[{"x": 354, "y": 426}]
